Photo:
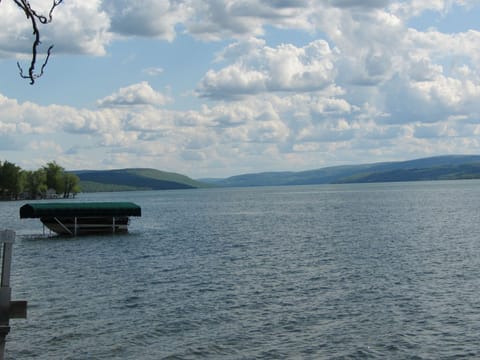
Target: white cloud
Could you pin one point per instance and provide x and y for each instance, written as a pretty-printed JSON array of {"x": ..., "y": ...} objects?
[
  {"x": 265, "y": 69},
  {"x": 78, "y": 27},
  {"x": 153, "y": 71},
  {"x": 254, "y": 133},
  {"x": 148, "y": 18},
  {"x": 366, "y": 4},
  {"x": 39, "y": 146},
  {"x": 413, "y": 8},
  {"x": 364, "y": 85},
  {"x": 136, "y": 94}
]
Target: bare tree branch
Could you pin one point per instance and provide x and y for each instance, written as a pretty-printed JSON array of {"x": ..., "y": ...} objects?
[{"x": 35, "y": 19}]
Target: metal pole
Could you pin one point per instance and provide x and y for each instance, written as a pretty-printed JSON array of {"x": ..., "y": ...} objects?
[
  {"x": 7, "y": 237},
  {"x": 8, "y": 309}
]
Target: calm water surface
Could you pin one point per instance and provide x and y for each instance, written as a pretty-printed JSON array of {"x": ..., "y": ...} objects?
[{"x": 369, "y": 271}]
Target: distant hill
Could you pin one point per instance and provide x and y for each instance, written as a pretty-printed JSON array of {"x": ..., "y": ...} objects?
[
  {"x": 134, "y": 179},
  {"x": 434, "y": 168}
]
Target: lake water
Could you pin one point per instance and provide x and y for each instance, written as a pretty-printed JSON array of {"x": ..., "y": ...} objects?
[{"x": 369, "y": 271}]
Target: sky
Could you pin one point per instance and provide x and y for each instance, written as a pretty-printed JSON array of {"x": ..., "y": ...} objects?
[{"x": 221, "y": 88}]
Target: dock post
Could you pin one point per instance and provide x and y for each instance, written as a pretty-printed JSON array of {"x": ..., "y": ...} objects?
[{"x": 8, "y": 309}]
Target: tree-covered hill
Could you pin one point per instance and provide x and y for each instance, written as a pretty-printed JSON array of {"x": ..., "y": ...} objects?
[
  {"x": 134, "y": 179},
  {"x": 434, "y": 168}
]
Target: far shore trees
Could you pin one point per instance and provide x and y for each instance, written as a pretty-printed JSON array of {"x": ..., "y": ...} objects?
[
  {"x": 54, "y": 175},
  {"x": 11, "y": 180},
  {"x": 50, "y": 181},
  {"x": 36, "y": 184}
]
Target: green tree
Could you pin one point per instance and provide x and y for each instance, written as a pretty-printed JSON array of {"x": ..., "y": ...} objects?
[
  {"x": 36, "y": 183},
  {"x": 71, "y": 185},
  {"x": 11, "y": 180},
  {"x": 54, "y": 175}
]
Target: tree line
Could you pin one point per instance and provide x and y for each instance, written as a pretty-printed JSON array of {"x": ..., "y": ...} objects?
[{"x": 51, "y": 180}]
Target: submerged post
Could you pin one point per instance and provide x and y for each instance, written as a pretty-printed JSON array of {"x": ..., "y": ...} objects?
[{"x": 8, "y": 309}]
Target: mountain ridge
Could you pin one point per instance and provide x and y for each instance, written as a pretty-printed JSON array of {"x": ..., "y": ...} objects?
[{"x": 446, "y": 167}]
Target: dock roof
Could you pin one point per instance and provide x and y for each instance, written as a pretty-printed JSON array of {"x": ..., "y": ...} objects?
[{"x": 79, "y": 209}]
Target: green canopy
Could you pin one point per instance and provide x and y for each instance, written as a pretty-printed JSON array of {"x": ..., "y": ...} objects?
[{"x": 79, "y": 209}]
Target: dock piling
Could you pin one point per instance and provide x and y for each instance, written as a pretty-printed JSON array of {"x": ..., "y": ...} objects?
[{"x": 8, "y": 309}]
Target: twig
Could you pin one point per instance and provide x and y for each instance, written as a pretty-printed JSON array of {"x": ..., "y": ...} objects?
[{"x": 35, "y": 18}]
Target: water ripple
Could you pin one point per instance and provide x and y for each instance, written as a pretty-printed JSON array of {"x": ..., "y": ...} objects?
[{"x": 340, "y": 272}]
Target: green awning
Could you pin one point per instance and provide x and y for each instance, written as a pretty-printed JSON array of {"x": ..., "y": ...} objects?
[{"x": 79, "y": 209}]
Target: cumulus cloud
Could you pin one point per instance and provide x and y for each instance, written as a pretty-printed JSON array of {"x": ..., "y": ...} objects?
[
  {"x": 136, "y": 94},
  {"x": 367, "y": 4},
  {"x": 374, "y": 58},
  {"x": 147, "y": 18},
  {"x": 413, "y": 8},
  {"x": 78, "y": 27},
  {"x": 267, "y": 131},
  {"x": 88, "y": 27},
  {"x": 266, "y": 69},
  {"x": 213, "y": 20},
  {"x": 365, "y": 85}
]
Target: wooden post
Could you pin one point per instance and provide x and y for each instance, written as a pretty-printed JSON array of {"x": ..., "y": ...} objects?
[{"x": 8, "y": 309}]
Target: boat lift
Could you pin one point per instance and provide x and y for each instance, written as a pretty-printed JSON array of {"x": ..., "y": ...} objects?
[{"x": 82, "y": 218}]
